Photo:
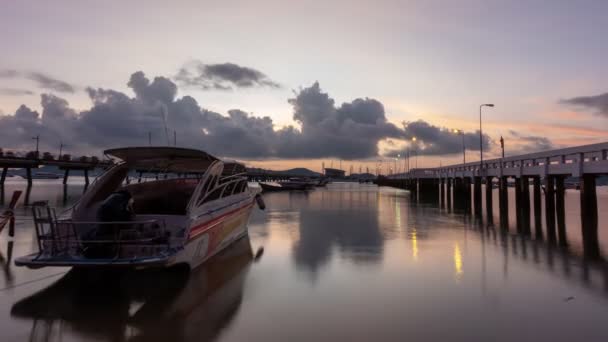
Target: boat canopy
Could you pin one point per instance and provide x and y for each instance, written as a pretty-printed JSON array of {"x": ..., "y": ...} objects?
[
  {"x": 233, "y": 167},
  {"x": 165, "y": 159}
]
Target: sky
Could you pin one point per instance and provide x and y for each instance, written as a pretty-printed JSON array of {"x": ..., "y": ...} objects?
[{"x": 281, "y": 84}]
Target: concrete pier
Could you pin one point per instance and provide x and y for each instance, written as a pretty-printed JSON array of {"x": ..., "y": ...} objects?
[
  {"x": 538, "y": 226},
  {"x": 550, "y": 207},
  {"x": 503, "y": 200},
  {"x": 518, "y": 205},
  {"x": 448, "y": 193},
  {"x": 560, "y": 210},
  {"x": 525, "y": 202},
  {"x": 489, "y": 208},
  {"x": 589, "y": 216},
  {"x": 477, "y": 196}
]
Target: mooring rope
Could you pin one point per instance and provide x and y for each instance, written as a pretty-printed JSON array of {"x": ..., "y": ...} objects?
[{"x": 32, "y": 281}]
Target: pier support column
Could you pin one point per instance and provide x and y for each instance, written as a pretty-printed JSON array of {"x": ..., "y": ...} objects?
[
  {"x": 477, "y": 196},
  {"x": 442, "y": 192},
  {"x": 538, "y": 226},
  {"x": 550, "y": 208},
  {"x": 589, "y": 216},
  {"x": 503, "y": 202},
  {"x": 518, "y": 205},
  {"x": 66, "y": 174},
  {"x": 560, "y": 210},
  {"x": 467, "y": 194},
  {"x": 448, "y": 193},
  {"x": 525, "y": 204},
  {"x": 28, "y": 172},
  {"x": 489, "y": 209}
]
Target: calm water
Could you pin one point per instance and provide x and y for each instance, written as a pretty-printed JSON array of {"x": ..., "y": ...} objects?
[{"x": 351, "y": 262}]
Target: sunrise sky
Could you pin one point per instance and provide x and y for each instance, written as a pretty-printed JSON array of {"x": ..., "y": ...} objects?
[{"x": 378, "y": 64}]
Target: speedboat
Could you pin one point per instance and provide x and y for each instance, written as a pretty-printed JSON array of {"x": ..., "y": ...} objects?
[{"x": 194, "y": 207}]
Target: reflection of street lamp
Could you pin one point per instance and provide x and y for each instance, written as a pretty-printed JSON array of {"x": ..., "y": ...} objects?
[
  {"x": 461, "y": 132},
  {"x": 480, "y": 135}
]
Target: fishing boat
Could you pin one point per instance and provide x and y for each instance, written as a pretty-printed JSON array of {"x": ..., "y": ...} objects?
[{"x": 195, "y": 206}]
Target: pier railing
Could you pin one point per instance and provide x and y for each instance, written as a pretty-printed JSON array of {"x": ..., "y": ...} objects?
[{"x": 571, "y": 161}]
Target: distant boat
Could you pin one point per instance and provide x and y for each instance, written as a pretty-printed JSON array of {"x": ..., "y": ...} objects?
[{"x": 322, "y": 182}]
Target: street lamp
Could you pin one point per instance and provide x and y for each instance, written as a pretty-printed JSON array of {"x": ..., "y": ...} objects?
[{"x": 481, "y": 136}]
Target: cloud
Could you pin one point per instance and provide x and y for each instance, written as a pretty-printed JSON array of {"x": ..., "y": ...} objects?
[
  {"x": 43, "y": 81},
  {"x": 324, "y": 129},
  {"x": 524, "y": 144},
  {"x": 224, "y": 76},
  {"x": 15, "y": 91},
  {"x": 435, "y": 140},
  {"x": 599, "y": 103},
  {"x": 49, "y": 83}
]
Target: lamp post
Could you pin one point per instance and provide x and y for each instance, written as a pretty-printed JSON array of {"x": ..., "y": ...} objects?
[
  {"x": 481, "y": 136},
  {"x": 461, "y": 132},
  {"x": 415, "y": 153}
]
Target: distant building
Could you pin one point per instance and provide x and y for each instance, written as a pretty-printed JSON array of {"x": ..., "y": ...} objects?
[{"x": 334, "y": 173}]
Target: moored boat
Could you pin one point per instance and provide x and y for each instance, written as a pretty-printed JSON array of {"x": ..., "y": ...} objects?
[
  {"x": 284, "y": 187},
  {"x": 196, "y": 208}
]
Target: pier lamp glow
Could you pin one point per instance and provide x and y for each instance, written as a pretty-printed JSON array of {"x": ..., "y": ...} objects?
[{"x": 481, "y": 136}]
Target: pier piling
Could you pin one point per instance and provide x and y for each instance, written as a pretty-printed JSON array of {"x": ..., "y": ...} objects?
[
  {"x": 489, "y": 209},
  {"x": 589, "y": 216},
  {"x": 560, "y": 210},
  {"x": 477, "y": 196},
  {"x": 525, "y": 203},
  {"x": 537, "y": 208},
  {"x": 503, "y": 202},
  {"x": 550, "y": 207}
]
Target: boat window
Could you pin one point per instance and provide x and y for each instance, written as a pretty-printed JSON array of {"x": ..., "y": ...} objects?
[
  {"x": 229, "y": 188},
  {"x": 209, "y": 184},
  {"x": 215, "y": 194},
  {"x": 240, "y": 187}
]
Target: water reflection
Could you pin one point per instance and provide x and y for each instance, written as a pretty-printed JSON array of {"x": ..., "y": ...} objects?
[
  {"x": 383, "y": 268},
  {"x": 165, "y": 305}
]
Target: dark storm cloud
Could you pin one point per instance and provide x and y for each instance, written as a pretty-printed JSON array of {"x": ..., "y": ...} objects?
[
  {"x": 15, "y": 92},
  {"x": 435, "y": 140},
  {"x": 43, "y": 81},
  {"x": 224, "y": 76},
  {"x": 599, "y": 103},
  {"x": 526, "y": 144},
  {"x": 351, "y": 130}
]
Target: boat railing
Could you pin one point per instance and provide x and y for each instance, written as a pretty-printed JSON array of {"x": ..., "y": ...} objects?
[{"x": 99, "y": 240}]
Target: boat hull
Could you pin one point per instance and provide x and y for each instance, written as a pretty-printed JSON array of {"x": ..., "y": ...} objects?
[{"x": 207, "y": 237}]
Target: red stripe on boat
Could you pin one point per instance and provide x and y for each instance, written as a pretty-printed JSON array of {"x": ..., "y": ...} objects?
[{"x": 203, "y": 227}]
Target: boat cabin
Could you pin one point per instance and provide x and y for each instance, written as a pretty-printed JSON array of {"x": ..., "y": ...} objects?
[{"x": 149, "y": 197}]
